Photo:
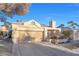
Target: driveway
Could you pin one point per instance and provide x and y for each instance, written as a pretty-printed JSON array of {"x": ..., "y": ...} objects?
[
  {"x": 5, "y": 48},
  {"x": 31, "y": 49}
]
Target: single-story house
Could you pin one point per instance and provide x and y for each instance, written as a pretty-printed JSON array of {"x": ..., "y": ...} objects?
[{"x": 32, "y": 30}]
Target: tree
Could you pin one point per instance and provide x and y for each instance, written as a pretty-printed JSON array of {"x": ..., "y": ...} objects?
[
  {"x": 7, "y": 24},
  {"x": 72, "y": 24},
  {"x": 62, "y": 25},
  {"x": 2, "y": 19},
  {"x": 11, "y": 9}
]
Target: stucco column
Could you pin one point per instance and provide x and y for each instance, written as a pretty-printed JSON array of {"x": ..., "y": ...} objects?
[
  {"x": 74, "y": 35},
  {"x": 45, "y": 34}
]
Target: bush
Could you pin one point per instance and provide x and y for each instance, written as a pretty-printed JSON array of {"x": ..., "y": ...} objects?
[
  {"x": 62, "y": 37},
  {"x": 1, "y": 33},
  {"x": 67, "y": 33},
  {"x": 54, "y": 37}
]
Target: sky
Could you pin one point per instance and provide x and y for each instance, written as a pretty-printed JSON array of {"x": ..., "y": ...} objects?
[{"x": 44, "y": 12}]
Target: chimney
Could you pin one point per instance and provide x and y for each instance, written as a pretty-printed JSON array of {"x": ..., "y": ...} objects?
[{"x": 52, "y": 24}]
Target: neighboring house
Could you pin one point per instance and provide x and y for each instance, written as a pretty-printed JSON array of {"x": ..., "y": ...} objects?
[
  {"x": 64, "y": 28},
  {"x": 32, "y": 30},
  {"x": 75, "y": 35},
  {"x": 3, "y": 29}
]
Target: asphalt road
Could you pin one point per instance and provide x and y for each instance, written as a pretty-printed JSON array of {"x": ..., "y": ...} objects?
[{"x": 31, "y": 49}]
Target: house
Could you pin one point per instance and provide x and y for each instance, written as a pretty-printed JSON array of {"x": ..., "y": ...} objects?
[
  {"x": 75, "y": 32},
  {"x": 32, "y": 30},
  {"x": 65, "y": 28},
  {"x": 3, "y": 29}
]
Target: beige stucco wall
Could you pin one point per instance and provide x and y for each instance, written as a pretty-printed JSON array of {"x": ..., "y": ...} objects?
[
  {"x": 27, "y": 32},
  {"x": 20, "y": 36}
]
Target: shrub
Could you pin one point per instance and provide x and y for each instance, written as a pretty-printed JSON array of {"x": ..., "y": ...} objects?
[
  {"x": 54, "y": 37},
  {"x": 1, "y": 33},
  {"x": 67, "y": 33}
]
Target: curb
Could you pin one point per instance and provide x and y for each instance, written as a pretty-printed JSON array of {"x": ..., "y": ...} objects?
[{"x": 58, "y": 47}]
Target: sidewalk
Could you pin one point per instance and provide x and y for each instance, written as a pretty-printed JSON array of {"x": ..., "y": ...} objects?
[
  {"x": 58, "y": 47},
  {"x": 5, "y": 48}
]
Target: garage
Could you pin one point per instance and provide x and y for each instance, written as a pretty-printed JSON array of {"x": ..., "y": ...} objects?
[{"x": 28, "y": 35}]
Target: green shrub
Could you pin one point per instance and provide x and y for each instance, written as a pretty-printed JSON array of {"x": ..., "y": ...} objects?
[
  {"x": 1, "y": 33},
  {"x": 67, "y": 33}
]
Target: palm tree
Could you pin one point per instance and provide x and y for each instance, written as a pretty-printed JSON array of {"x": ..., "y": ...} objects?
[
  {"x": 62, "y": 25},
  {"x": 72, "y": 24},
  {"x": 7, "y": 24}
]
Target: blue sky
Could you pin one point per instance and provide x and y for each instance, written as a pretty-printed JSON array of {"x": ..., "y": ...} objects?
[{"x": 44, "y": 12}]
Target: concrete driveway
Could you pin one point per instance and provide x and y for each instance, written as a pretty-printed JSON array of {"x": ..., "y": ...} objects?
[
  {"x": 31, "y": 49},
  {"x": 5, "y": 48}
]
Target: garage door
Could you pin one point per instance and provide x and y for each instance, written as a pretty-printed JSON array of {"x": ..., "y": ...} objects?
[
  {"x": 21, "y": 36},
  {"x": 34, "y": 36}
]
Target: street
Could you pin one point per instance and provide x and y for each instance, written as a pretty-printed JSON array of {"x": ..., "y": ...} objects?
[{"x": 31, "y": 49}]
